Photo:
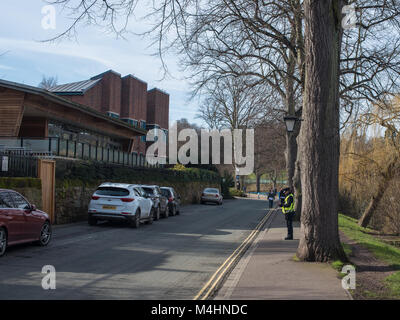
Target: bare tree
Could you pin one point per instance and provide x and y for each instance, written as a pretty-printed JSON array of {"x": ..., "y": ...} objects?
[
  {"x": 264, "y": 40},
  {"x": 269, "y": 143},
  {"x": 48, "y": 82}
]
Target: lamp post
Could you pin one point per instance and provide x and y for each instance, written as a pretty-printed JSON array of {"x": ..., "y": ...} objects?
[{"x": 290, "y": 122}]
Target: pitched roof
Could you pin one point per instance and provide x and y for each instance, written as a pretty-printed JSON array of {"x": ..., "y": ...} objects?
[{"x": 74, "y": 88}]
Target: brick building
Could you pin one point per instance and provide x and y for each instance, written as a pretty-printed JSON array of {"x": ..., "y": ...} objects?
[
  {"x": 106, "y": 112},
  {"x": 125, "y": 98}
]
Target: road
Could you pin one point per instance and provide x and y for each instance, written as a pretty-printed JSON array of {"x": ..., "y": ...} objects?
[{"x": 171, "y": 259}]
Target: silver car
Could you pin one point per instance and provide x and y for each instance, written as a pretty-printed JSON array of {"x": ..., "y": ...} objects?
[{"x": 211, "y": 195}]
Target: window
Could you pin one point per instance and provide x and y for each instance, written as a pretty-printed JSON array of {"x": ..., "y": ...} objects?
[
  {"x": 150, "y": 191},
  {"x": 165, "y": 193},
  {"x": 19, "y": 201},
  {"x": 142, "y": 124},
  {"x": 6, "y": 200},
  {"x": 112, "y": 191}
]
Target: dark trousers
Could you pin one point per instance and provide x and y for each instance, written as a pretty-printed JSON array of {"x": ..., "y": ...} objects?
[
  {"x": 289, "y": 223},
  {"x": 271, "y": 203}
]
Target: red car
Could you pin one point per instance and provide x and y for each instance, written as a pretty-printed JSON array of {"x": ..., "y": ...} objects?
[{"x": 21, "y": 222}]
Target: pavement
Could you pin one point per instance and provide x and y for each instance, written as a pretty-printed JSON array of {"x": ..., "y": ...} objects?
[{"x": 268, "y": 270}]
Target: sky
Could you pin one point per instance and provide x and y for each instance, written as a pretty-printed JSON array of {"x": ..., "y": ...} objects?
[{"x": 25, "y": 58}]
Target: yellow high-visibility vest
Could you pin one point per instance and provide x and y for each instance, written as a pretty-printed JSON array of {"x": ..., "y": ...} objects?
[{"x": 291, "y": 208}]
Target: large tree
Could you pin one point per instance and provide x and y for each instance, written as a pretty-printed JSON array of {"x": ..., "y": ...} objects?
[{"x": 319, "y": 133}]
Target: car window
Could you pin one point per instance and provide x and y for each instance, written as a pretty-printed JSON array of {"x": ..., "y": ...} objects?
[
  {"x": 6, "y": 200},
  {"x": 19, "y": 201},
  {"x": 112, "y": 191},
  {"x": 137, "y": 193},
  {"x": 165, "y": 192},
  {"x": 149, "y": 190},
  {"x": 210, "y": 190}
]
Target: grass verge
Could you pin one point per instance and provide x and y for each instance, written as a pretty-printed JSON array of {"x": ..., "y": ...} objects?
[{"x": 381, "y": 250}]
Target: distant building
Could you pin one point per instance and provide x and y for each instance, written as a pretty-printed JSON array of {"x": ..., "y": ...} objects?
[{"x": 106, "y": 111}]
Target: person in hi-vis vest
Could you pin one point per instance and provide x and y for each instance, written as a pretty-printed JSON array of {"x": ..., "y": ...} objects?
[{"x": 288, "y": 211}]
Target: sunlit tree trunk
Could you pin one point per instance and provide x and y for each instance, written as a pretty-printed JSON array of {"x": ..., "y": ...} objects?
[{"x": 319, "y": 134}]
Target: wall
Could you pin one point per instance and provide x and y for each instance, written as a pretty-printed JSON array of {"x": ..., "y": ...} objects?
[
  {"x": 77, "y": 180},
  {"x": 73, "y": 197},
  {"x": 30, "y": 188}
]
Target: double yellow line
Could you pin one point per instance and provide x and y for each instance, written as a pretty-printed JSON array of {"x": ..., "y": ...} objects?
[{"x": 210, "y": 286}]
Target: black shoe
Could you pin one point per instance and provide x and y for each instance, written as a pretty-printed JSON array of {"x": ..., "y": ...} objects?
[{"x": 289, "y": 238}]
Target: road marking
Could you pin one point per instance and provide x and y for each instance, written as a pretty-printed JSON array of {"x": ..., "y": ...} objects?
[{"x": 225, "y": 267}]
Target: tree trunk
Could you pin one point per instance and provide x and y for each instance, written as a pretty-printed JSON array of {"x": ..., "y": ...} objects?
[
  {"x": 291, "y": 155},
  {"x": 258, "y": 178},
  {"x": 319, "y": 133},
  {"x": 291, "y": 143},
  {"x": 297, "y": 192},
  {"x": 383, "y": 185}
]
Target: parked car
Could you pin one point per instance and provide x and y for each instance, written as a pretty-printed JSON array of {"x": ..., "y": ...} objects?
[
  {"x": 21, "y": 221},
  {"x": 211, "y": 195},
  {"x": 174, "y": 200},
  {"x": 120, "y": 201},
  {"x": 160, "y": 203}
]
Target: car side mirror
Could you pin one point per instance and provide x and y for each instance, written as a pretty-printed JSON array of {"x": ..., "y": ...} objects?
[{"x": 33, "y": 207}]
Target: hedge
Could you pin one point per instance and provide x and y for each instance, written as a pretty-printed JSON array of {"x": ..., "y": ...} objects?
[
  {"x": 92, "y": 172},
  {"x": 24, "y": 182}
]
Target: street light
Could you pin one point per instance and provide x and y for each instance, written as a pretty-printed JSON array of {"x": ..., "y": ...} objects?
[{"x": 290, "y": 122}]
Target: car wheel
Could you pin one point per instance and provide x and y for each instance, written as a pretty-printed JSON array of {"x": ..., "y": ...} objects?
[
  {"x": 157, "y": 214},
  {"x": 45, "y": 234},
  {"x": 92, "y": 221},
  {"x": 178, "y": 212},
  {"x": 3, "y": 241},
  {"x": 135, "y": 221},
  {"x": 151, "y": 217},
  {"x": 173, "y": 211}
]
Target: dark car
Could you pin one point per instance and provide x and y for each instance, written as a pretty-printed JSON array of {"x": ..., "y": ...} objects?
[
  {"x": 174, "y": 200},
  {"x": 160, "y": 203},
  {"x": 21, "y": 222}
]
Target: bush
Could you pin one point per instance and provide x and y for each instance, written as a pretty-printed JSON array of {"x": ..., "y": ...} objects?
[
  {"x": 92, "y": 172},
  {"x": 236, "y": 193},
  {"x": 12, "y": 183}
]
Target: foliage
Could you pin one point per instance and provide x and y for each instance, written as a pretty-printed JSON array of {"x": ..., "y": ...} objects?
[
  {"x": 12, "y": 183},
  {"x": 236, "y": 193},
  {"x": 226, "y": 183},
  {"x": 367, "y": 168},
  {"x": 91, "y": 172}
]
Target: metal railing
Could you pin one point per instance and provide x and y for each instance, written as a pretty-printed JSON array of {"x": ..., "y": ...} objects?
[
  {"x": 58, "y": 147},
  {"x": 18, "y": 165}
]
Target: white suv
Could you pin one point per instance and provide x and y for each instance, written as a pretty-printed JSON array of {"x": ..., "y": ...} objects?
[{"x": 120, "y": 201}]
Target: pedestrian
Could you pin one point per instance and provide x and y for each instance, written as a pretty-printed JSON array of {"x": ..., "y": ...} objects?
[
  {"x": 271, "y": 198},
  {"x": 282, "y": 196},
  {"x": 288, "y": 211}
]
